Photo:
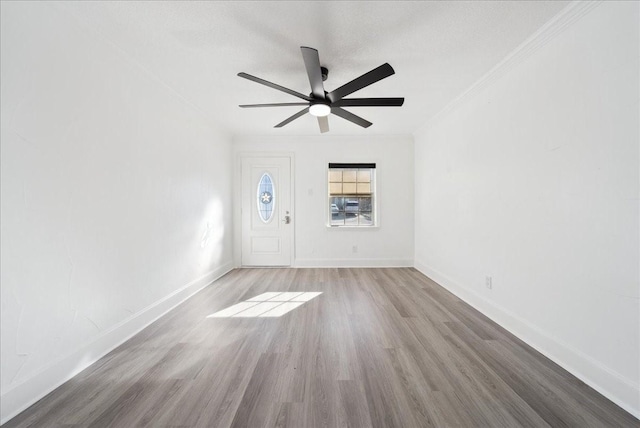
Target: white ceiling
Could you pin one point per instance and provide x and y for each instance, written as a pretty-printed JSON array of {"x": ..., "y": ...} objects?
[{"x": 438, "y": 50}]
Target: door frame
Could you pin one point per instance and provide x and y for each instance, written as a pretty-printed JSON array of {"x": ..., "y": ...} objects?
[{"x": 237, "y": 202}]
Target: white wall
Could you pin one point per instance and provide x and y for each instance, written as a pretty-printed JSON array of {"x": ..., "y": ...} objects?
[
  {"x": 390, "y": 244},
  {"x": 533, "y": 180},
  {"x": 116, "y": 200}
]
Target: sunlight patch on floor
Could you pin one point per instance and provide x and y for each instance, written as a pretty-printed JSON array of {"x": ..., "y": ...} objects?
[{"x": 267, "y": 305}]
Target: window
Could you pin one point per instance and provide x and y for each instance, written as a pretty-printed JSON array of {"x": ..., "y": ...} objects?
[
  {"x": 265, "y": 198},
  {"x": 352, "y": 194}
]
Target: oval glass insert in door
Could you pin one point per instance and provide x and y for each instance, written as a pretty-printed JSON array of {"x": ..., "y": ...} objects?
[{"x": 266, "y": 198}]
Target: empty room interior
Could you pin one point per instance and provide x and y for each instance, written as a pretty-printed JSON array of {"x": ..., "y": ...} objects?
[{"x": 320, "y": 214}]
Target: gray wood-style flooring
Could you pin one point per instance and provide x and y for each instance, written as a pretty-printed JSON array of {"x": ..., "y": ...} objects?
[{"x": 378, "y": 348}]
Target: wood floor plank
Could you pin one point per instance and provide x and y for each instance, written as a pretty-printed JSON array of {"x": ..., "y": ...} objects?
[
  {"x": 467, "y": 345},
  {"x": 354, "y": 404},
  {"x": 377, "y": 348}
]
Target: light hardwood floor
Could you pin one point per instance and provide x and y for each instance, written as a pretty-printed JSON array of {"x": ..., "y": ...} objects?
[{"x": 379, "y": 347}]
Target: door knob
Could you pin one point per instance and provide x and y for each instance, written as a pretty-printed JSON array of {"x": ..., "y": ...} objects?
[{"x": 286, "y": 219}]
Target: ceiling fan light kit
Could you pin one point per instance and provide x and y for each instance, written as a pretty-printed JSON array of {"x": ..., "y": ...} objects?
[
  {"x": 320, "y": 103},
  {"x": 319, "y": 110}
]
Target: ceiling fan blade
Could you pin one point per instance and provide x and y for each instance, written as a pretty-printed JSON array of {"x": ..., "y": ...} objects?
[
  {"x": 274, "y": 86},
  {"x": 323, "y": 122},
  {"x": 369, "y": 102},
  {"x": 385, "y": 70},
  {"x": 292, "y": 118},
  {"x": 272, "y": 105},
  {"x": 350, "y": 117},
  {"x": 312, "y": 64}
]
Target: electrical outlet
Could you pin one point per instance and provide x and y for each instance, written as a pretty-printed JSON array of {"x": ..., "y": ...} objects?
[
  {"x": 354, "y": 249},
  {"x": 488, "y": 281}
]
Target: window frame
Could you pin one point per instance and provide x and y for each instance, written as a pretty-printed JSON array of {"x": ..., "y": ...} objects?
[{"x": 373, "y": 195}]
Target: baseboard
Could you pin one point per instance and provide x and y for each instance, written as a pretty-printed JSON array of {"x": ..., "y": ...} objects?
[
  {"x": 32, "y": 389},
  {"x": 606, "y": 381},
  {"x": 373, "y": 263}
]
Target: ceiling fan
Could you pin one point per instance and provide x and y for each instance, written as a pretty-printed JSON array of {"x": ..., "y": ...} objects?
[{"x": 321, "y": 103}]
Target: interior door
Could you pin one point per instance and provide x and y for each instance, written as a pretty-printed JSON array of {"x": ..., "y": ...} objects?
[{"x": 267, "y": 221}]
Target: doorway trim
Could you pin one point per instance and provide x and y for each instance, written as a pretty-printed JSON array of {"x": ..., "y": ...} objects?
[{"x": 237, "y": 202}]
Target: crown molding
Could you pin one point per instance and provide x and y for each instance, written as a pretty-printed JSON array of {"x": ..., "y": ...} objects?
[{"x": 568, "y": 16}]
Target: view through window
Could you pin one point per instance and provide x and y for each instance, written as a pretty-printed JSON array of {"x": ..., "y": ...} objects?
[{"x": 351, "y": 194}]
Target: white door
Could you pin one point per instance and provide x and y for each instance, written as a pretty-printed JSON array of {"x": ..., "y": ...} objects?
[{"x": 267, "y": 222}]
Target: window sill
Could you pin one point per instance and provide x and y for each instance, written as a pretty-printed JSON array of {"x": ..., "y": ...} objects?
[{"x": 353, "y": 227}]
